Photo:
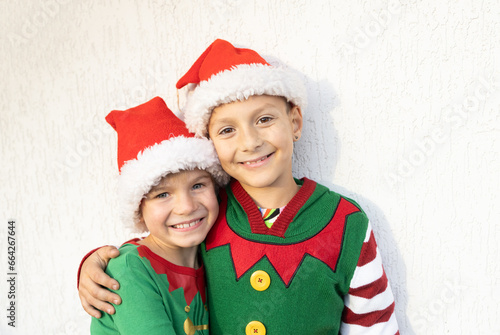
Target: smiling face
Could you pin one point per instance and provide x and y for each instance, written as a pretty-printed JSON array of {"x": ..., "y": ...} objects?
[
  {"x": 254, "y": 140},
  {"x": 180, "y": 210}
]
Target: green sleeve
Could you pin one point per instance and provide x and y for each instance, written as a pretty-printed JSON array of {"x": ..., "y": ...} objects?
[{"x": 142, "y": 310}]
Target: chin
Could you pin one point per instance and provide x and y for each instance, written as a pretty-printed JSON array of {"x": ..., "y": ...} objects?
[
  {"x": 259, "y": 182},
  {"x": 191, "y": 243}
]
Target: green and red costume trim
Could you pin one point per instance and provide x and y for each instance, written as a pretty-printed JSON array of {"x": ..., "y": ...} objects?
[
  {"x": 158, "y": 297},
  {"x": 310, "y": 254}
]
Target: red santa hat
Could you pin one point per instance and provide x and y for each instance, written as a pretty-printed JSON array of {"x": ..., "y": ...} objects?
[
  {"x": 152, "y": 143},
  {"x": 224, "y": 74}
]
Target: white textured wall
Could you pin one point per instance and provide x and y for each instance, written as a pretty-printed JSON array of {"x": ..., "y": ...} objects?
[{"x": 403, "y": 116}]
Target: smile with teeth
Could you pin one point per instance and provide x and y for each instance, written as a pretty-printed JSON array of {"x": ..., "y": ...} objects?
[
  {"x": 256, "y": 161},
  {"x": 186, "y": 225}
]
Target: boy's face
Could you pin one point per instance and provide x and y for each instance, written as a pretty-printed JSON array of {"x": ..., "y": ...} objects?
[
  {"x": 181, "y": 209},
  {"x": 254, "y": 140}
]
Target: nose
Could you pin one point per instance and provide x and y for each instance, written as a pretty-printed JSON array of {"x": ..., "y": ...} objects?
[
  {"x": 249, "y": 139},
  {"x": 185, "y": 204}
]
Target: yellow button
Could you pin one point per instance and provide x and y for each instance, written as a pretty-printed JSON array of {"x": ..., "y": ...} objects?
[
  {"x": 260, "y": 280},
  {"x": 255, "y": 328}
]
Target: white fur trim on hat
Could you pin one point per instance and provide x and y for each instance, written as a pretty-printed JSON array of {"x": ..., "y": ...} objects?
[
  {"x": 139, "y": 175},
  {"x": 240, "y": 83}
]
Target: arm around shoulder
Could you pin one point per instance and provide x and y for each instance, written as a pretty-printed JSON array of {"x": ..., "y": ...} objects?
[
  {"x": 92, "y": 282},
  {"x": 142, "y": 310}
]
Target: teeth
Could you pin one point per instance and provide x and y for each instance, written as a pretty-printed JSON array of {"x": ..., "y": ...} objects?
[
  {"x": 260, "y": 160},
  {"x": 186, "y": 225}
]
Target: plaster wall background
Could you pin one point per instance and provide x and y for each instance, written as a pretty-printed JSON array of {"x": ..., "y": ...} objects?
[{"x": 403, "y": 116}]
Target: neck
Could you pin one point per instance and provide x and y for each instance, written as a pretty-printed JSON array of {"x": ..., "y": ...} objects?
[
  {"x": 274, "y": 196},
  {"x": 187, "y": 257}
]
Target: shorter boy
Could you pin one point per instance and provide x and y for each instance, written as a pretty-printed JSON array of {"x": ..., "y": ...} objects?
[{"x": 167, "y": 186}]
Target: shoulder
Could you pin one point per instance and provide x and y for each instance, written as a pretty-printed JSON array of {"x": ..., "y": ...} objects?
[
  {"x": 354, "y": 212},
  {"x": 129, "y": 259},
  {"x": 327, "y": 192}
]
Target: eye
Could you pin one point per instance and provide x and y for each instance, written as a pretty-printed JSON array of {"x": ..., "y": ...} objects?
[
  {"x": 162, "y": 195},
  {"x": 198, "y": 186},
  {"x": 264, "y": 119},
  {"x": 225, "y": 131}
]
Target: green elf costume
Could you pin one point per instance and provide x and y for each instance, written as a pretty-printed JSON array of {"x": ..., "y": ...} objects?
[
  {"x": 158, "y": 297},
  {"x": 315, "y": 269}
]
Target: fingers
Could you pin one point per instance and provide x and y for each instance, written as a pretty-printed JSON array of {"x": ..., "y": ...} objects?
[
  {"x": 94, "y": 267},
  {"x": 94, "y": 297},
  {"x": 100, "y": 293},
  {"x": 98, "y": 276},
  {"x": 93, "y": 283},
  {"x": 92, "y": 305},
  {"x": 88, "y": 308},
  {"x": 106, "y": 253}
]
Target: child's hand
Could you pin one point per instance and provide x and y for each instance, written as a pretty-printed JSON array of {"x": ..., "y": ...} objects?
[{"x": 93, "y": 283}]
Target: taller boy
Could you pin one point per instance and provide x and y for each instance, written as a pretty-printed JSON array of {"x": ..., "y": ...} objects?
[{"x": 313, "y": 268}]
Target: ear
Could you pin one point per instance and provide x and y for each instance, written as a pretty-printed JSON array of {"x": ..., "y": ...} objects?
[
  {"x": 141, "y": 217},
  {"x": 297, "y": 122}
]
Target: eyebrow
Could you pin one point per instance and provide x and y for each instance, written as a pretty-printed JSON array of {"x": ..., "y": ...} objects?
[
  {"x": 159, "y": 188},
  {"x": 257, "y": 110},
  {"x": 267, "y": 105},
  {"x": 201, "y": 178},
  {"x": 165, "y": 185}
]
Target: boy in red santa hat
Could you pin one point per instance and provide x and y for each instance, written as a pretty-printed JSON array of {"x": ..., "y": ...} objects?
[{"x": 167, "y": 186}]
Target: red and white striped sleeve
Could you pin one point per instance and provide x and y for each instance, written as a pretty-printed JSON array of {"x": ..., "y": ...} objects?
[{"x": 369, "y": 304}]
